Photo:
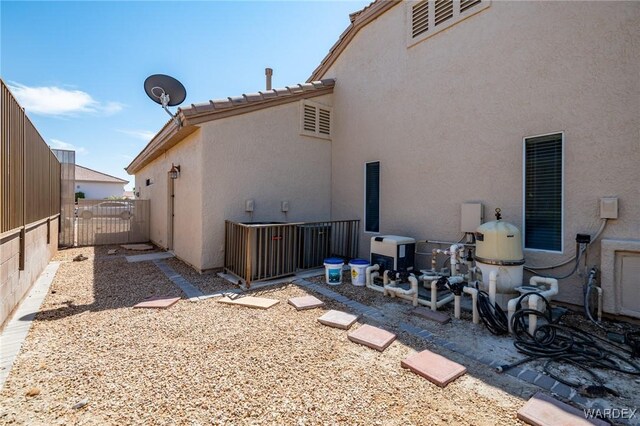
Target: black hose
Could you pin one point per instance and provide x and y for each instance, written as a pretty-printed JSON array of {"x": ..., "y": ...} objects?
[
  {"x": 559, "y": 343},
  {"x": 492, "y": 316}
]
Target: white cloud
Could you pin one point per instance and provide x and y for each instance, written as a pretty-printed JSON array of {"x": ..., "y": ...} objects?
[
  {"x": 145, "y": 135},
  {"x": 53, "y": 100},
  {"x": 58, "y": 144}
]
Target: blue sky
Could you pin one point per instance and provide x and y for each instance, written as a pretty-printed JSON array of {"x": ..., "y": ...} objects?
[{"x": 78, "y": 67}]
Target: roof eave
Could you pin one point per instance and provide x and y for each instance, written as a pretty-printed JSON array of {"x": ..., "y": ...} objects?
[{"x": 358, "y": 21}]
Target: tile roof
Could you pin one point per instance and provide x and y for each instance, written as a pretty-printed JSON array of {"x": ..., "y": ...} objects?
[
  {"x": 87, "y": 174},
  {"x": 260, "y": 97},
  {"x": 199, "y": 113}
]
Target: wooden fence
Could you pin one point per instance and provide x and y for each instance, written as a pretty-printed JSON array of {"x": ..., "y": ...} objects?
[{"x": 29, "y": 172}]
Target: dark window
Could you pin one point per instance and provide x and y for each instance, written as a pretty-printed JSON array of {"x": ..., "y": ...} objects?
[
  {"x": 543, "y": 193},
  {"x": 372, "y": 197}
]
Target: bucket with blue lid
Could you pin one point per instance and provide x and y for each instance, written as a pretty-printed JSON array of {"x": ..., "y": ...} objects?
[
  {"x": 358, "y": 271},
  {"x": 333, "y": 270}
]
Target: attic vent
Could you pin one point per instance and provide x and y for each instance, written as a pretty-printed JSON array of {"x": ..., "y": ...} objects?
[
  {"x": 443, "y": 11},
  {"x": 466, "y": 4},
  {"x": 428, "y": 17},
  {"x": 309, "y": 119},
  {"x": 324, "y": 121},
  {"x": 316, "y": 120},
  {"x": 420, "y": 18}
]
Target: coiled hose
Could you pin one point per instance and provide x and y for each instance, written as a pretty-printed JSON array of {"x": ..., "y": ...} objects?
[{"x": 559, "y": 343}]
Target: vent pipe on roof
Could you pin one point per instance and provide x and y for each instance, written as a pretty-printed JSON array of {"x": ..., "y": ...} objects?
[{"x": 268, "y": 72}]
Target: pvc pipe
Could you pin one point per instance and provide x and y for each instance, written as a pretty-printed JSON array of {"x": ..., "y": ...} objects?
[
  {"x": 533, "y": 319},
  {"x": 599, "y": 290},
  {"x": 533, "y": 300},
  {"x": 409, "y": 294},
  {"x": 474, "y": 302},
  {"x": 370, "y": 274},
  {"x": 456, "y": 306},
  {"x": 434, "y": 260},
  {"x": 493, "y": 283}
]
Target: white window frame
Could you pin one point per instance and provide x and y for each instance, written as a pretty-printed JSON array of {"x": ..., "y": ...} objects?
[
  {"x": 433, "y": 29},
  {"x": 524, "y": 195},
  {"x": 317, "y": 106},
  {"x": 364, "y": 198}
]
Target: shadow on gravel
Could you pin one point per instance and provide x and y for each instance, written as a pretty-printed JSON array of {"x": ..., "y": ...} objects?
[{"x": 114, "y": 283}]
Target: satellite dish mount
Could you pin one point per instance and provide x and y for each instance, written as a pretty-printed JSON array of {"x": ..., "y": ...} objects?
[{"x": 166, "y": 91}]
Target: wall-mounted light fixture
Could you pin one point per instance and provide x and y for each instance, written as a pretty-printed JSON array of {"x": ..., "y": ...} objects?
[{"x": 174, "y": 172}]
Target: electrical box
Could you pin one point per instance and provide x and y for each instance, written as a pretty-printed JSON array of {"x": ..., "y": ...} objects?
[
  {"x": 393, "y": 252},
  {"x": 248, "y": 206},
  {"x": 284, "y": 206},
  {"x": 609, "y": 208},
  {"x": 470, "y": 217}
]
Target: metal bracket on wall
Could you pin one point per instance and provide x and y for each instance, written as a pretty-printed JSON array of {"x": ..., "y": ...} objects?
[{"x": 22, "y": 253}]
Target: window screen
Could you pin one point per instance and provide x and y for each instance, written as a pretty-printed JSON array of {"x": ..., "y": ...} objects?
[
  {"x": 372, "y": 197},
  {"x": 543, "y": 193}
]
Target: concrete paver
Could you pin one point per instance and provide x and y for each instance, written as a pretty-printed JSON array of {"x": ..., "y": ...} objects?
[
  {"x": 338, "y": 319},
  {"x": 373, "y": 337},
  {"x": 433, "y": 367}
]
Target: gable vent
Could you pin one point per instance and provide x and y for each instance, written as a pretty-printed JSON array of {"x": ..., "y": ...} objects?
[
  {"x": 443, "y": 11},
  {"x": 466, "y": 4},
  {"x": 315, "y": 120},
  {"x": 324, "y": 121},
  {"x": 420, "y": 18},
  {"x": 309, "y": 119}
]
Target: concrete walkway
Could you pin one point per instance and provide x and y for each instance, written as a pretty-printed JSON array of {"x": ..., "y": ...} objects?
[{"x": 18, "y": 327}]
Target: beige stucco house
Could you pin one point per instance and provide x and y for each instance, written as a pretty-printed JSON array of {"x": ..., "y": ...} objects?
[
  {"x": 96, "y": 185},
  {"x": 531, "y": 107}
]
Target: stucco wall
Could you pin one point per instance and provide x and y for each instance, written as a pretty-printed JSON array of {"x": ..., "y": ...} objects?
[
  {"x": 14, "y": 284},
  {"x": 99, "y": 190},
  {"x": 262, "y": 156},
  {"x": 446, "y": 118},
  {"x": 187, "y": 235}
]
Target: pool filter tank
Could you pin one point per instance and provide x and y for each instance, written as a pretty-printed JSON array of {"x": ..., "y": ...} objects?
[{"x": 499, "y": 250}]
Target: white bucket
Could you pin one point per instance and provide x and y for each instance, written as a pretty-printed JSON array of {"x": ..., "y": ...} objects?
[
  {"x": 358, "y": 272},
  {"x": 333, "y": 270}
]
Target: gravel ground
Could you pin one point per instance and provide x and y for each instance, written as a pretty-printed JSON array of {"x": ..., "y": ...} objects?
[
  {"x": 209, "y": 363},
  {"x": 462, "y": 331},
  {"x": 208, "y": 283}
]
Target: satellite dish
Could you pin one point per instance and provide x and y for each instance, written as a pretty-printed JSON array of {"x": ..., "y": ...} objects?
[{"x": 166, "y": 91}]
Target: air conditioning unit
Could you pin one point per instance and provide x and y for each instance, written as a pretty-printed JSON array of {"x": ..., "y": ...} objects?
[{"x": 393, "y": 252}]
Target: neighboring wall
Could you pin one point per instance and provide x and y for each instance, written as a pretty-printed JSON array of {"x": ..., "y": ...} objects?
[
  {"x": 15, "y": 283},
  {"x": 30, "y": 178},
  {"x": 187, "y": 234},
  {"x": 447, "y": 116},
  {"x": 99, "y": 190},
  {"x": 261, "y": 156}
]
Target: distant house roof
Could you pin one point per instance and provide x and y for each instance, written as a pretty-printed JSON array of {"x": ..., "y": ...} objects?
[
  {"x": 358, "y": 20},
  {"x": 90, "y": 175},
  {"x": 191, "y": 116}
]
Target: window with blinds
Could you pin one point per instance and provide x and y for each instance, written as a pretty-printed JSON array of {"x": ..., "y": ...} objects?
[
  {"x": 372, "y": 197},
  {"x": 428, "y": 17},
  {"x": 543, "y": 192},
  {"x": 316, "y": 120}
]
